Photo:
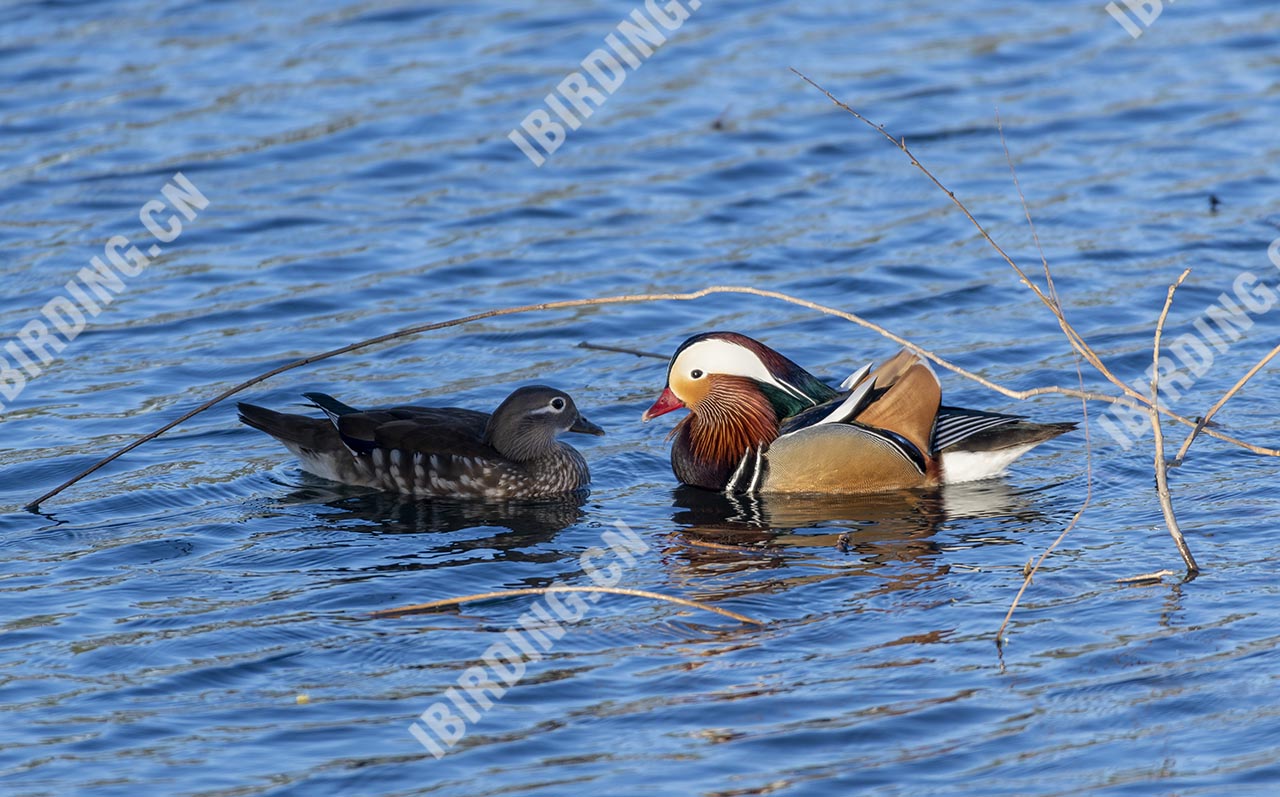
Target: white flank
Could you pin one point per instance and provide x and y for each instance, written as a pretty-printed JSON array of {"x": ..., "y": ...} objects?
[
  {"x": 971, "y": 466},
  {"x": 326, "y": 466}
]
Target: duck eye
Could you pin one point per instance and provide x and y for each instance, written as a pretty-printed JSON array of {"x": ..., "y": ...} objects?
[
  {"x": 696, "y": 373},
  {"x": 557, "y": 403}
]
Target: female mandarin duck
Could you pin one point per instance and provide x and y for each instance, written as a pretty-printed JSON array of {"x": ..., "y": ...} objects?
[
  {"x": 760, "y": 423},
  {"x": 441, "y": 452}
]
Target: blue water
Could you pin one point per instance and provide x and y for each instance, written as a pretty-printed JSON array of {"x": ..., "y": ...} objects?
[{"x": 195, "y": 618}]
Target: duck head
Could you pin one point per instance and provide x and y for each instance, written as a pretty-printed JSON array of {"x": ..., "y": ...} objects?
[
  {"x": 710, "y": 371},
  {"x": 738, "y": 391},
  {"x": 525, "y": 425}
]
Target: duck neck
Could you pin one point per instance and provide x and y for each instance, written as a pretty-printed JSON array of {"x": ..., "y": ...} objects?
[
  {"x": 727, "y": 423},
  {"x": 521, "y": 444}
]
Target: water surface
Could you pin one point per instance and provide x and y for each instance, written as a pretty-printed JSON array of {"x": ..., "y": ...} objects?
[{"x": 162, "y": 618}]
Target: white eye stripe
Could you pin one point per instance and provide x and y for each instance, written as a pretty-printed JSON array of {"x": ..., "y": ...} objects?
[{"x": 722, "y": 357}]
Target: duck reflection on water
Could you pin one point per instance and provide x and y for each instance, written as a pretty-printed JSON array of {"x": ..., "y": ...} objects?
[
  {"x": 863, "y": 533},
  {"x": 528, "y": 521}
]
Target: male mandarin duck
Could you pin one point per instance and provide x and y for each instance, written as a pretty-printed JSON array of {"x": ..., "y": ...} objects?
[
  {"x": 440, "y": 452},
  {"x": 760, "y": 423}
]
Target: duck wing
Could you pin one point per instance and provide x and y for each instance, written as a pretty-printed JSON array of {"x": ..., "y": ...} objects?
[
  {"x": 957, "y": 424},
  {"x": 904, "y": 399},
  {"x": 873, "y": 438},
  {"x": 838, "y": 458},
  {"x": 901, "y": 398},
  {"x": 443, "y": 431},
  {"x": 838, "y": 410}
]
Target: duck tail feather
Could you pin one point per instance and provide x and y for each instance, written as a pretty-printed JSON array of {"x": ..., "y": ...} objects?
[{"x": 311, "y": 433}]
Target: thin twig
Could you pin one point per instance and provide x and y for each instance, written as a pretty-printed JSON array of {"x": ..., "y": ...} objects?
[
  {"x": 1019, "y": 395},
  {"x": 1027, "y": 577},
  {"x": 1075, "y": 519},
  {"x": 1145, "y": 578},
  {"x": 600, "y": 347},
  {"x": 1035, "y": 568},
  {"x": 507, "y": 593},
  {"x": 1084, "y": 406},
  {"x": 1026, "y": 211},
  {"x": 682, "y": 539},
  {"x": 1162, "y": 471},
  {"x": 1074, "y": 337},
  {"x": 1204, "y": 420}
]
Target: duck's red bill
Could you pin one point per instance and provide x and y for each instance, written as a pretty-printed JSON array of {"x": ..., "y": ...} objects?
[{"x": 667, "y": 402}]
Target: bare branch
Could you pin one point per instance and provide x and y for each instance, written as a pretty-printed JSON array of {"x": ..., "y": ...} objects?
[
  {"x": 620, "y": 350},
  {"x": 1077, "y": 342},
  {"x": 507, "y": 593},
  {"x": 633, "y": 299},
  {"x": 1026, "y": 211},
  {"x": 1162, "y": 471},
  {"x": 1200, "y": 424}
]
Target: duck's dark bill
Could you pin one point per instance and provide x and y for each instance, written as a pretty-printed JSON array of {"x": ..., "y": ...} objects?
[
  {"x": 583, "y": 426},
  {"x": 667, "y": 402}
]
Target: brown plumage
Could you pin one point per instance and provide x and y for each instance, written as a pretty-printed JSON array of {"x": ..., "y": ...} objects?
[
  {"x": 732, "y": 418},
  {"x": 759, "y": 422},
  {"x": 909, "y": 399},
  {"x": 442, "y": 452}
]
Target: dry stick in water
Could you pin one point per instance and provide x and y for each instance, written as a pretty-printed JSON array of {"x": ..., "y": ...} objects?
[
  {"x": 1019, "y": 395},
  {"x": 507, "y": 593},
  {"x": 620, "y": 350},
  {"x": 1186, "y": 444},
  {"x": 408, "y": 331},
  {"x": 1162, "y": 472},
  {"x": 1088, "y": 497},
  {"x": 1077, "y": 341},
  {"x": 1073, "y": 336},
  {"x": 1084, "y": 405}
]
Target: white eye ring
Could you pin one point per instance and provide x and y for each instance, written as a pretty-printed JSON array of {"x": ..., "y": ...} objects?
[
  {"x": 557, "y": 404},
  {"x": 696, "y": 373}
]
